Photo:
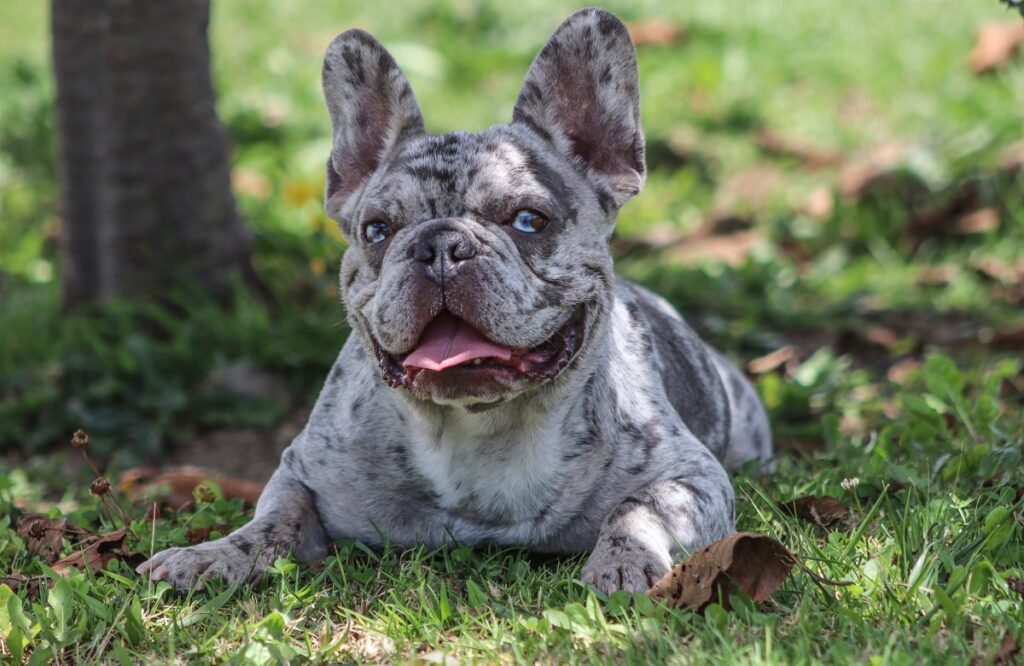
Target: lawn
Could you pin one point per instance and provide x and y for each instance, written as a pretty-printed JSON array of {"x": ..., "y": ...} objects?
[{"x": 834, "y": 199}]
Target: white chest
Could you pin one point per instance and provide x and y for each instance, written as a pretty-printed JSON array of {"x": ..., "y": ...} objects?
[{"x": 508, "y": 476}]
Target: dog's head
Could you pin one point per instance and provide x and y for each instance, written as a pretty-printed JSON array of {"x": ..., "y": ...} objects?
[{"x": 478, "y": 265}]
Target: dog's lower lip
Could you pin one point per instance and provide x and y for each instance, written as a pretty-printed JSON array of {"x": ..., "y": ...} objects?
[{"x": 555, "y": 354}]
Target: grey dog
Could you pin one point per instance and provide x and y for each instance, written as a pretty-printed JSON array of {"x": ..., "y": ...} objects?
[{"x": 501, "y": 385}]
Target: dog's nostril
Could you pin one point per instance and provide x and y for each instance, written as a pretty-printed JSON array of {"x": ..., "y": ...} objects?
[
  {"x": 423, "y": 251},
  {"x": 462, "y": 250}
]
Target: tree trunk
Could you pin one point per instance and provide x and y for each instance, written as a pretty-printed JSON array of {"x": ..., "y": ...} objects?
[{"x": 146, "y": 203}]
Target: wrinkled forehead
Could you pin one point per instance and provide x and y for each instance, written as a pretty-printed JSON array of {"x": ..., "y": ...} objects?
[{"x": 449, "y": 174}]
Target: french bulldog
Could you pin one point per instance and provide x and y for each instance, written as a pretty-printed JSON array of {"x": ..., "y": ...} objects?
[{"x": 501, "y": 385}]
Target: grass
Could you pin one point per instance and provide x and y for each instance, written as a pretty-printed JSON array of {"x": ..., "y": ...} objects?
[{"x": 905, "y": 374}]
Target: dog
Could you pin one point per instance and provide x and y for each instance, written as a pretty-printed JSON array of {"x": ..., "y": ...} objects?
[{"x": 501, "y": 384}]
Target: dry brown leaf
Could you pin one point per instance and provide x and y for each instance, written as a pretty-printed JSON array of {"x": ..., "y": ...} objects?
[
  {"x": 1011, "y": 159},
  {"x": 995, "y": 45},
  {"x": 93, "y": 554},
  {"x": 656, "y": 31},
  {"x": 882, "y": 336},
  {"x": 939, "y": 275},
  {"x": 175, "y": 484},
  {"x": 250, "y": 182},
  {"x": 17, "y": 580},
  {"x": 772, "y": 361},
  {"x": 1015, "y": 584},
  {"x": 820, "y": 203},
  {"x": 978, "y": 221},
  {"x": 1009, "y": 338},
  {"x": 732, "y": 249},
  {"x": 900, "y": 371},
  {"x": 811, "y": 157},
  {"x": 868, "y": 170},
  {"x": 751, "y": 562},
  {"x": 1008, "y": 650},
  {"x": 751, "y": 189},
  {"x": 43, "y": 535},
  {"x": 1000, "y": 270},
  {"x": 822, "y": 511}
]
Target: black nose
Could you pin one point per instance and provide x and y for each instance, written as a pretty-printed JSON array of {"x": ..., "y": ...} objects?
[{"x": 442, "y": 250}]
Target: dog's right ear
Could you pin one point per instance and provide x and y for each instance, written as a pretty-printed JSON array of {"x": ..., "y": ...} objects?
[{"x": 372, "y": 110}]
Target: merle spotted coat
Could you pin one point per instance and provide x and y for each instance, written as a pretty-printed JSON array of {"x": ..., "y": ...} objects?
[{"x": 622, "y": 452}]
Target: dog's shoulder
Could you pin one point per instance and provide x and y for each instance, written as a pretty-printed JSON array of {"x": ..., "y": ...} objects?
[{"x": 686, "y": 365}]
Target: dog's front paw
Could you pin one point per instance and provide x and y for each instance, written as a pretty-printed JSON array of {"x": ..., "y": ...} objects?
[
  {"x": 620, "y": 563},
  {"x": 223, "y": 559}
]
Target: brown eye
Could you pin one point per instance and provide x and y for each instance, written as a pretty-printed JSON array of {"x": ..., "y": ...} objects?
[
  {"x": 529, "y": 222},
  {"x": 376, "y": 231}
]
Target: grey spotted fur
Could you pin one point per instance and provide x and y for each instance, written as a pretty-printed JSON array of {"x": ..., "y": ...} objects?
[{"x": 624, "y": 453}]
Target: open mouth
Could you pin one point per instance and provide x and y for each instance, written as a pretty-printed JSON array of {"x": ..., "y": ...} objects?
[{"x": 450, "y": 347}]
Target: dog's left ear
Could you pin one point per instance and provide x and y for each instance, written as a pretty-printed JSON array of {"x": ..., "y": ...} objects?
[{"x": 582, "y": 95}]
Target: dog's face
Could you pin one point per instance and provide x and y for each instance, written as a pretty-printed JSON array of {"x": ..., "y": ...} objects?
[{"x": 478, "y": 265}]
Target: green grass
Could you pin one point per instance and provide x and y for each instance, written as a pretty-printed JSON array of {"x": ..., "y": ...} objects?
[
  {"x": 936, "y": 529},
  {"x": 927, "y": 555}
]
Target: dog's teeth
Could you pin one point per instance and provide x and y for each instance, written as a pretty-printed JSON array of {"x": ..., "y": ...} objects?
[{"x": 477, "y": 361}]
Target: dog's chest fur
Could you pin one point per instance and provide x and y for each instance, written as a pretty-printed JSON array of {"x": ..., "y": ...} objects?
[{"x": 485, "y": 470}]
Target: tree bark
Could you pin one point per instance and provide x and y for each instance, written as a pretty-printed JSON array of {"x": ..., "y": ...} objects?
[{"x": 146, "y": 202}]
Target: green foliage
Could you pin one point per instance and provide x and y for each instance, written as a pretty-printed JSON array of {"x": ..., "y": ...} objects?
[
  {"x": 928, "y": 565},
  {"x": 927, "y": 458}
]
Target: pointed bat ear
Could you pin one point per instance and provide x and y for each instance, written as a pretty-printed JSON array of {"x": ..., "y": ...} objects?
[
  {"x": 372, "y": 111},
  {"x": 582, "y": 95}
]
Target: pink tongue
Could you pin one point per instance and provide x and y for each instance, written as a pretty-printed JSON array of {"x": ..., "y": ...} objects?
[{"x": 448, "y": 342}]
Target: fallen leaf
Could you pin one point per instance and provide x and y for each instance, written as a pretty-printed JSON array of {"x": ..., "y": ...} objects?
[
  {"x": 822, "y": 511},
  {"x": 1008, "y": 649},
  {"x": 1000, "y": 270},
  {"x": 772, "y": 361},
  {"x": 1008, "y": 338},
  {"x": 751, "y": 189},
  {"x": 809, "y": 156},
  {"x": 93, "y": 554},
  {"x": 938, "y": 276},
  {"x": 1015, "y": 584},
  {"x": 753, "y": 563},
  {"x": 175, "y": 484},
  {"x": 656, "y": 31},
  {"x": 964, "y": 208},
  {"x": 1011, "y": 159},
  {"x": 43, "y": 536},
  {"x": 900, "y": 371},
  {"x": 250, "y": 182},
  {"x": 722, "y": 237},
  {"x": 882, "y": 336},
  {"x": 732, "y": 249},
  {"x": 17, "y": 580},
  {"x": 869, "y": 170},
  {"x": 995, "y": 45},
  {"x": 820, "y": 203},
  {"x": 978, "y": 222}
]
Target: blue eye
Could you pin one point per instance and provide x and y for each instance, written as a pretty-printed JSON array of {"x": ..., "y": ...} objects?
[
  {"x": 376, "y": 232},
  {"x": 529, "y": 222}
]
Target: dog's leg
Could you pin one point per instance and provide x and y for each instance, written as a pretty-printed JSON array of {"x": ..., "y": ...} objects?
[
  {"x": 286, "y": 521},
  {"x": 639, "y": 537}
]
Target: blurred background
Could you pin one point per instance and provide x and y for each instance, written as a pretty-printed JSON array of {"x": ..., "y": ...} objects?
[{"x": 835, "y": 191}]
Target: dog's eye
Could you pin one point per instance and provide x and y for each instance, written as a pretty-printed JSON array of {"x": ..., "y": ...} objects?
[
  {"x": 529, "y": 222},
  {"x": 376, "y": 231}
]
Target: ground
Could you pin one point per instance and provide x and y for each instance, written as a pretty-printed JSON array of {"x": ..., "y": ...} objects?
[{"x": 835, "y": 199}]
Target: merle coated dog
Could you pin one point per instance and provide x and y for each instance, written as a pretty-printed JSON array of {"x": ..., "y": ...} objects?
[{"x": 501, "y": 385}]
